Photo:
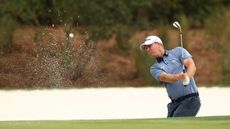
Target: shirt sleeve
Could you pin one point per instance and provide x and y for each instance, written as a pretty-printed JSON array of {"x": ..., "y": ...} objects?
[
  {"x": 156, "y": 72},
  {"x": 183, "y": 54}
]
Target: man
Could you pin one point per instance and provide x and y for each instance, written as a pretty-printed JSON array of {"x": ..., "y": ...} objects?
[{"x": 168, "y": 69}]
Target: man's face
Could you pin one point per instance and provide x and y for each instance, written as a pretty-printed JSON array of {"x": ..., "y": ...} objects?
[{"x": 153, "y": 50}]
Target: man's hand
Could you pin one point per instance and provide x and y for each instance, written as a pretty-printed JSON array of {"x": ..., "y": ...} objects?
[
  {"x": 184, "y": 77},
  {"x": 181, "y": 76}
]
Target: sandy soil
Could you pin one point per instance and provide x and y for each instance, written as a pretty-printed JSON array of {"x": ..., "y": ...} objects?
[{"x": 101, "y": 103}]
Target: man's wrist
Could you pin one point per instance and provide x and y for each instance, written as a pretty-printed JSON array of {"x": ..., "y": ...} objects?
[{"x": 177, "y": 77}]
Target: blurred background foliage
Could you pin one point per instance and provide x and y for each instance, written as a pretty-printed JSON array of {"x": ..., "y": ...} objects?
[
  {"x": 102, "y": 18},
  {"x": 101, "y": 15}
]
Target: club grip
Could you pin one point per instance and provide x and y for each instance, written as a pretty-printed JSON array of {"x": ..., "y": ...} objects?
[{"x": 184, "y": 72}]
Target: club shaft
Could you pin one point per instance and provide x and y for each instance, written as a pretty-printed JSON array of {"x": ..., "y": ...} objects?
[
  {"x": 181, "y": 41},
  {"x": 177, "y": 25},
  {"x": 181, "y": 44}
]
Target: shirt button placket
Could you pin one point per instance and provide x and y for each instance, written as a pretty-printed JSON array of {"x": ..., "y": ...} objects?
[{"x": 166, "y": 62}]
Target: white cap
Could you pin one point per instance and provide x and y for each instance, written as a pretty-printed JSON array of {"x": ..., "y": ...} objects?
[{"x": 150, "y": 40}]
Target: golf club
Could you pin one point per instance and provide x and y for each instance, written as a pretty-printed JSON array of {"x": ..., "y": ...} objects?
[{"x": 178, "y": 26}]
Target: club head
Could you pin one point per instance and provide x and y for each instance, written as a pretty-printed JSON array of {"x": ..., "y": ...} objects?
[{"x": 176, "y": 25}]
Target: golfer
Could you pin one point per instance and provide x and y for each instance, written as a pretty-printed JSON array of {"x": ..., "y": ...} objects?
[{"x": 168, "y": 70}]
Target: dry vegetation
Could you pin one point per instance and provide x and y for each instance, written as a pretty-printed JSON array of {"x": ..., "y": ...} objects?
[{"x": 43, "y": 57}]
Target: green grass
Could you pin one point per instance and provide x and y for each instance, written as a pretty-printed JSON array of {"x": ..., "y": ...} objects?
[{"x": 218, "y": 122}]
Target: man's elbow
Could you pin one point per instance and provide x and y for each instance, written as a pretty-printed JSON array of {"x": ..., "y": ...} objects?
[
  {"x": 191, "y": 70},
  {"x": 194, "y": 68}
]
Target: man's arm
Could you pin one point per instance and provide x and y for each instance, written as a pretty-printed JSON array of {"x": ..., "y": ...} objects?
[
  {"x": 191, "y": 69},
  {"x": 165, "y": 77}
]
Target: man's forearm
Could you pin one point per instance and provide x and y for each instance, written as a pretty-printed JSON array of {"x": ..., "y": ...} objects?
[
  {"x": 164, "y": 77},
  {"x": 191, "y": 67},
  {"x": 191, "y": 71}
]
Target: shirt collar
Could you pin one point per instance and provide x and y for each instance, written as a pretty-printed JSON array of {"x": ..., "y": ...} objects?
[{"x": 166, "y": 53}]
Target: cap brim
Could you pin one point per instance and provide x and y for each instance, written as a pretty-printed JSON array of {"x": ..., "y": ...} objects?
[
  {"x": 142, "y": 47},
  {"x": 145, "y": 44}
]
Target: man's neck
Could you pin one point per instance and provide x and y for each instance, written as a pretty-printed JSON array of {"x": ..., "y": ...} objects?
[
  {"x": 162, "y": 53},
  {"x": 160, "y": 58}
]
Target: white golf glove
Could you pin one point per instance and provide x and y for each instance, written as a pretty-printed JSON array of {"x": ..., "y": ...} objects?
[{"x": 186, "y": 81}]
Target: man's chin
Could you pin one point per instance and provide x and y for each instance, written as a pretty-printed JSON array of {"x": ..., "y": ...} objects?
[{"x": 155, "y": 56}]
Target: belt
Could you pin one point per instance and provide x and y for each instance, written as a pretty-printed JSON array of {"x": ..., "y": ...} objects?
[{"x": 178, "y": 100}]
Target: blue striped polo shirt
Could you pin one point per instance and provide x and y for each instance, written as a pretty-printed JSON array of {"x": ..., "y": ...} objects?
[{"x": 171, "y": 63}]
